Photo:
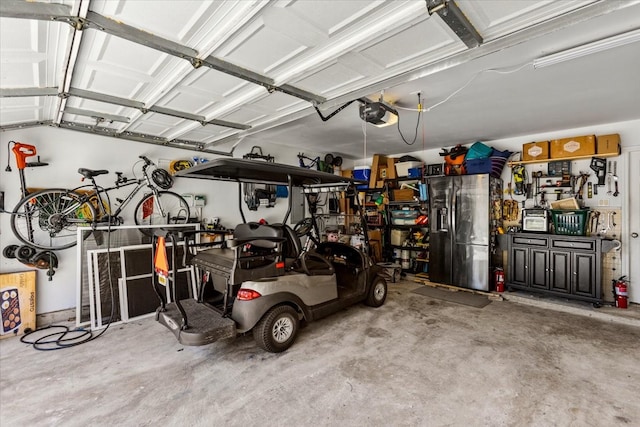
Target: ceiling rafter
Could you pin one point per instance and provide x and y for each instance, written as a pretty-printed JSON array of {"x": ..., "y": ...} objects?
[
  {"x": 124, "y": 102},
  {"x": 132, "y": 136}
]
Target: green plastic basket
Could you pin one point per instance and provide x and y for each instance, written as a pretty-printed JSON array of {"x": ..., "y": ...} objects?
[{"x": 570, "y": 222}]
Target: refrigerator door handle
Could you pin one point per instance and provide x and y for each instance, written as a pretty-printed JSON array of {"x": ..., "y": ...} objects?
[
  {"x": 442, "y": 220},
  {"x": 454, "y": 210}
]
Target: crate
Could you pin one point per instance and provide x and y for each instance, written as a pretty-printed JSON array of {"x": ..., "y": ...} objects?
[{"x": 570, "y": 222}]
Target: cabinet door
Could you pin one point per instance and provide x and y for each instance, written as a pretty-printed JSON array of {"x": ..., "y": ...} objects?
[
  {"x": 518, "y": 266},
  {"x": 539, "y": 268},
  {"x": 560, "y": 271},
  {"x": 584, "y": 275}
]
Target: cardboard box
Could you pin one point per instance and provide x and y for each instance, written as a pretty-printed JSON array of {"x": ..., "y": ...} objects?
[
  {"x": 398, "y": 237},
  {"x": 391, "y": 168},
  {"x": 379, "y": 161},
  {"x": 17, "y": 303},
  {"x": 573, "y": 147},
  {"x": 405, "y": 194},
  {"x": 608, "y": 144},
  {"x": 535, "y": 151}
]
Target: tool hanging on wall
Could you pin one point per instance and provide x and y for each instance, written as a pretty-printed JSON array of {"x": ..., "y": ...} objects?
[
  {"x": 594, "y": 217},
  {"x": 609, "y": 179},
  {"x": 32, "y": 257},
  {"x": 582, "y": 180},
  {"x": 254, "y": 195},
  {"x": 519, "y": 173},
  {"x": 615, "y": 178},
  {"x": 599, "y": 166},
  {"x": 510, "y": 210}
]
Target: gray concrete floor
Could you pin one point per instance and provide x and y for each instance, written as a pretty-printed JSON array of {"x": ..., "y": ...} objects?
[{"x": 414, "y": 361}]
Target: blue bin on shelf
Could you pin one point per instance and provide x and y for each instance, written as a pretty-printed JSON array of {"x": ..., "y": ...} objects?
[{"x": 363, "y": 173}]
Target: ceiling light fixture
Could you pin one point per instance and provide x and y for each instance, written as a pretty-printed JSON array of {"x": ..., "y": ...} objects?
[{"x": 587, "y": 49}]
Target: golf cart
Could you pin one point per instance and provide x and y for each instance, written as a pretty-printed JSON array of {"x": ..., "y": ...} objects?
[{"x": 270, "y": 277}]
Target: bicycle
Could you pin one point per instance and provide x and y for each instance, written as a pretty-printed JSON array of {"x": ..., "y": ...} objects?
[{"x": 48, "y": 219}]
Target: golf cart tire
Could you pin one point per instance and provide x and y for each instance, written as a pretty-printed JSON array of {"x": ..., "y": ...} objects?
[
  {"x": 377, "y": 292},
  {"x": 264, "y": 332}
]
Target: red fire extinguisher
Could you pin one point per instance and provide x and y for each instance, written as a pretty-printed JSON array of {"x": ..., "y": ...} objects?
[
  {"x": 498, "y": 278},
  {"x": 621, "y": 292}
]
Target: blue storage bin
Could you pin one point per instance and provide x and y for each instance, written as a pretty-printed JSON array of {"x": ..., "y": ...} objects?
[
  {"x": 363, "y": 173},
  {"x": 478, "y": 166},
  {"x": 415, "y": 172}
]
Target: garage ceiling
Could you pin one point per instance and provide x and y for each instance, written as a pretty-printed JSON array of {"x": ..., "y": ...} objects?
[{"x": 204, "y": 75}]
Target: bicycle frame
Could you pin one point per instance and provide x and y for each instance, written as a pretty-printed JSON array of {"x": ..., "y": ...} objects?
[{"x": 98, "y": 192}]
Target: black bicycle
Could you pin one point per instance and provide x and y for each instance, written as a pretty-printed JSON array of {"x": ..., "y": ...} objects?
[{"x": 48, "y": 219}]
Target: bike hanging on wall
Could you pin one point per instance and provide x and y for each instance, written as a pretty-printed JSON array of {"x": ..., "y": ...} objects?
[{"x": 48, "y": 219}]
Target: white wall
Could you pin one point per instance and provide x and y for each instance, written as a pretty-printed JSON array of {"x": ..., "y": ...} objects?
[{"x": 66, "y": 151}]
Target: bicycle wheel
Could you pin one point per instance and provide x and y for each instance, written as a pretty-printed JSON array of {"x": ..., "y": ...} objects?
[
  {"x": 167, "y": 208},
  {"x": 48, "y": 219}
]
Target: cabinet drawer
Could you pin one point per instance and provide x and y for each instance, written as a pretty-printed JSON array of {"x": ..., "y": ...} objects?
[
  {"x": 573, "y": 244},
  {"x": 530, "y": 241}
]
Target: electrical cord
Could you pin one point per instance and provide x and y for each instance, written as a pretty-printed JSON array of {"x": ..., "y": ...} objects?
[
  {"x": 60, "y": 340},
  {"x": 415, "y": 136},
  {"x": 504, "y": 70}
]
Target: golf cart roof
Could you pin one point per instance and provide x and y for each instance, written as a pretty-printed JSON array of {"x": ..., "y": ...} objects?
[{"x": 261, "y": 172}]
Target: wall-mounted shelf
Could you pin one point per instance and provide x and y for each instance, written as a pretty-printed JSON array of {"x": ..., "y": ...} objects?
[{"x": 526, "y": 162}]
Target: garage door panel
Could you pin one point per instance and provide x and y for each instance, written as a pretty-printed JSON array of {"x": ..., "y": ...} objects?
[
  {"x": 260, "y": 47},
  {"x": 174, "y": 21},
  {"x": 212, "y": 83},
  {"x": 496, "y": 18},
  {"x": 429, "y": 40},
  {"x": 332, "y": 77},
  {"x": 278, "y": 101},
  {"x": 334, "y": 17},
  {"x": 22, "y": 110},
  {"x": 245, "y": 114},
  {"x": 207, "y": 133},
  {"x": 28, "y": 59},
  {"x": 193, "y": 102}
]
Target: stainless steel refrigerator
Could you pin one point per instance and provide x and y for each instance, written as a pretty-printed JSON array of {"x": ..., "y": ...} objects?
[{"x": 464, "y": 214}]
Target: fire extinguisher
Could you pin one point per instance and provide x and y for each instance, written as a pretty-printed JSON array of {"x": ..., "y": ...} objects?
[
  {"x": 498, "y": 277},
  {"x": 620, "y": 292}
]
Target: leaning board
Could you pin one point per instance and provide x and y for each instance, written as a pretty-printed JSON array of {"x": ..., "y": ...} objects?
[{"x": 17, "y": 303}]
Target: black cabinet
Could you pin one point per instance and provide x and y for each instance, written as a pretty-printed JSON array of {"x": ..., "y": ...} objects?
[{"x": 568, "y": 266}]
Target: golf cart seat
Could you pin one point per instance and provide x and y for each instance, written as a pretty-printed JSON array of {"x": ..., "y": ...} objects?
[
  {"x": 255, "y": 252},
  {"x": 291, "y": 248},
  {"x": 299, "y": 260}
]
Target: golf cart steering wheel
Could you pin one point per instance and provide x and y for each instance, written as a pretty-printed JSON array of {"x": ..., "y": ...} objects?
[{"x": 303, "y": 227}]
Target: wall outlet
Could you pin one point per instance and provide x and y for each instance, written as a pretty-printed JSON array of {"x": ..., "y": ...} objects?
[{"x": 603, "y": 202}]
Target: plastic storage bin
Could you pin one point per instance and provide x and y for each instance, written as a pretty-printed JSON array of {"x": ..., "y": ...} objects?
[
  {"x": 570, "y": 222},
  {"x": 363, "y": 173},
  {"x": 402, "y": 168},
  {"x": 478, "y": 166}
]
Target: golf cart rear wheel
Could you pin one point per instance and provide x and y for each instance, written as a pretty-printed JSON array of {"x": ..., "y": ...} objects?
[
  {"x": 377, "y": 293},
  {"x": 277, "y": 329}
]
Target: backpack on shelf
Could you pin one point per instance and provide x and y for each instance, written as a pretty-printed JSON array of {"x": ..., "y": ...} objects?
[{"x": 454, "y": 160}]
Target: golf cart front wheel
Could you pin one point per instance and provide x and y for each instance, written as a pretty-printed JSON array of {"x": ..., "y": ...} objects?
[
  {"x": 277, "y": 329},
  {"x": 377, "y": 293}
]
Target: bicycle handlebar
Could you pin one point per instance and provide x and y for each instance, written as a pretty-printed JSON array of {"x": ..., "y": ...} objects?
[{"x": 146, "y": 160}]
